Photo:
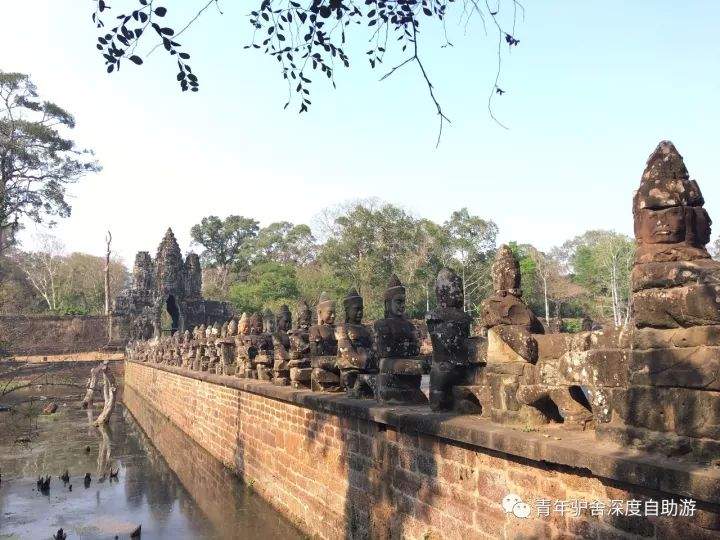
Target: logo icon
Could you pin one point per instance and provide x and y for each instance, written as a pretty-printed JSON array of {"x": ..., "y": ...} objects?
[{"x": 513, "y": 504}]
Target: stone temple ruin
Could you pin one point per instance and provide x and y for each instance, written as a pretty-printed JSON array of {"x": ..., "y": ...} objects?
[
  {"x": 653, "y": 385},
  {"x": 165, "y": 297}
]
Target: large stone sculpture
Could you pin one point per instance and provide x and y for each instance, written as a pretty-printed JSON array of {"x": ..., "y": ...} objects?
[
  {"x": 356, "y": 357},
  {"x": 281, "y": 347},
  {"x": 667, "y": 397},
  {"x": 323, "y": 348},
  {"x": 449, "y": 328},
  {"x": 299, "y": 364},
  {"x": 398, "y": 346},
  {"x": 675, "y": 282}
]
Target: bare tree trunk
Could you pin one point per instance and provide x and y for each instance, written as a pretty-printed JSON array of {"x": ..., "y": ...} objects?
[
  {"x": 91, "y": 385},
  {"x": 110, "y": 393},
  {"x": 108, "y": 240}
]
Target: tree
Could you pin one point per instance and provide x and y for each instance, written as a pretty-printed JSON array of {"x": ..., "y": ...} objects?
[
  {"x": 601, "y": 262},
  {"x": 366, "y": 243},
  {"x": 471, "y": 241},
  {"x": 307, "y": 36},
  {"x": 64, "y": 284},
  {"x": 546, "y": 270},
  {"x": 284, "y": 243},
  {"x": 43, "y": 269},
  {"x": 37, "y": 159},
  {"x": 268, "y": 285},
  {"x": 226, "y": 244}
]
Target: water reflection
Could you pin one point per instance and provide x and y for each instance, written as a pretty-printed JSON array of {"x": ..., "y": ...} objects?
[{"x": 186, "y": 494}]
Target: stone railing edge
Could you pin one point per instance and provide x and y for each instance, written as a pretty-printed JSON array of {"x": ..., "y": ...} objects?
[{"x": 578, "y": 450}]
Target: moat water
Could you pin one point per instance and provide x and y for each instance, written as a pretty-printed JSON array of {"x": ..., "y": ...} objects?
[{"x": 173, "y": 489}]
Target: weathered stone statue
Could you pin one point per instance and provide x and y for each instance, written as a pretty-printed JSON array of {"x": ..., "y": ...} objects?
[
  {"x": 281, "y": 347},
  {"x": 263, "y": 361},
  {"x": 232, "y": 328},
  {"x": 675, "y": 282},
  {"x": 449, "y": 328},
  {"x": 299, "y": 364},
  {"x": 671, "y": 399},
  {"x": 323, "y": 348},
  {"x": 356, "y": 357},
  {"x": 242, "y": 344},
  {"x": 397, "y": 344}
]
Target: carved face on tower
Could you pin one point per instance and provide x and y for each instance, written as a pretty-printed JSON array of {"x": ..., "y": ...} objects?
[
  {"x": 666, "y": 226},
  {"x": 284, "y": 319},
  {"x": 353, "y": 304},
  {"x": 449, "y": 289},
  {"x": 304, "y": 315},
  {"x": 326, "y": 310},
  {"x": 394, "y": 299}
]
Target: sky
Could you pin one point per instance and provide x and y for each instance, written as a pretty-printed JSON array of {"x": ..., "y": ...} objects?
[{"x": 591, "y": 89}]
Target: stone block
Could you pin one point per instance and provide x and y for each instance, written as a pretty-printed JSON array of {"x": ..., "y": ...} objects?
[
  {"x": 672, "y": 274},
  {"x": 511, "y": 343},
  {"x": 648, "y": 253},
  {"x": 300, "y": 374},
  {"x": 552, "y": 345},
  {"x": 601, "y": 367},
  {"x": 690, "y": 305},
  {"x": 686, "y": 367},
  {"x": 683, "y": 411},
  {"x": 401, "y": 366},
  {"x": 657, "y": 338}
]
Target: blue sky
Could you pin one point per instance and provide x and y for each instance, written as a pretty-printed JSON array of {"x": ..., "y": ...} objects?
[{"x": 591, "y": 89}]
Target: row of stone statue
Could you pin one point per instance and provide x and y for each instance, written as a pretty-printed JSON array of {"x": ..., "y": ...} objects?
[{"x": 380, "y": 361}]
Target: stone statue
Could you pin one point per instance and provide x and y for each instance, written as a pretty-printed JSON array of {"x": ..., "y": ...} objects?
[
  {"x": 323, "y": 348},
  {"x": 675, "y": 283},
  {"x": 242, "y": 352},
  {"x": 281, "y": 347},
  {"x": 356, "y": 357},
  {"x": 449, "y": 328},
  {"x": 268, "y": 322},
  {"x": 232, "y": 328},
  {"x": 260, "y": 346},
  {"x": 398, "y": 347},
  {"x": 299, "y": 364}
]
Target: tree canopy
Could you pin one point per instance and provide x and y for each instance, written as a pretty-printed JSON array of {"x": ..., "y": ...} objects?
[
  {"x": 309, "y": 37},
  {"x": 37, "y": 159}
]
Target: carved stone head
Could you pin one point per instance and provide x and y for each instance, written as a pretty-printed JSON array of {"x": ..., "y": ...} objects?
[
  {"x": 394, "y": 299},
  {"x": 353, "y": 304},
  {"x": 256, "y": 324},
  {"x": 664, "y": 226},
  {"x": 505, "y": 271},
  {"x": 325, "y": 309},
  {"x": 244, "y": 324},
  {"x": 449, "y": 289},
  {"x": 304, "y": 315},
  {"x": 232, "y": 328},
  {"x": 284, "y": 319},
  {"x": 268, "y": 321}
]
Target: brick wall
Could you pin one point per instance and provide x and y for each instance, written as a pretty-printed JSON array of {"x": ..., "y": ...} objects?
[{"x": 344, "y": 476}]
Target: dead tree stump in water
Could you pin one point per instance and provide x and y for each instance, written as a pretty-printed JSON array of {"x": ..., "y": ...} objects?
[
  {"x": 92, "y": 384},
  {"x": 110, "y": 395}
]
